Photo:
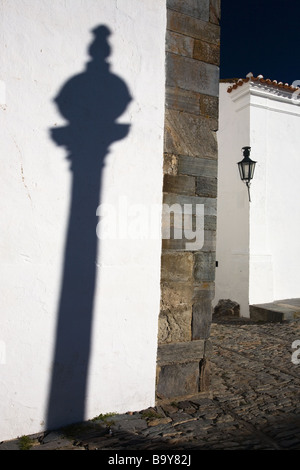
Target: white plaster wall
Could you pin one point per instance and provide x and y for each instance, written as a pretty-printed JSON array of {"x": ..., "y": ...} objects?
[
  {"x": 274, "y": 212},
  {"x": 232, "y": 273},
  {"x": 43, "y": 44},
  {"x": 261, "y": 287},
  {"x": 258, "y": 245}
]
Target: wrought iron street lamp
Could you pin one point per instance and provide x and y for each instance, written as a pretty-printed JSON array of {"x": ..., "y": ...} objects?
[{"x": 246, "y": 168}]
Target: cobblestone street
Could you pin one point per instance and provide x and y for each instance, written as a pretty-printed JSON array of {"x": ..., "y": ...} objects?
[
  {"x": 253, "y": 404},
  {"x": 256, "y": 385}
]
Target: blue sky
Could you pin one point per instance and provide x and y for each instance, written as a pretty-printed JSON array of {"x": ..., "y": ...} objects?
[{"x": 262, "y": 37}]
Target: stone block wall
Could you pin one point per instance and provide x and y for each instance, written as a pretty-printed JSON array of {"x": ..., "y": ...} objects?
[{"x": 190, "y": 177}]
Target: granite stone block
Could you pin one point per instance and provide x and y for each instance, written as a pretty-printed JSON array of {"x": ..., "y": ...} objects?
[
  {"x": 204, "y": 269},
  {"x": 206, "y": 52},
  {"x": 192, "y": 75},
  {"x": 190, "y": 135},
  {"x": 193, "y": 27},
  {"x": 204, "y": 167},
  {"x": 206, "y": 187},
  {"x": 193, "y": 8}
]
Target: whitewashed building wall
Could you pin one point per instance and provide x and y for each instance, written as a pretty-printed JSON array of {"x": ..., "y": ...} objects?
[
  {"x": 258, "y": 247},
  {"x": 43, "y": 45}
]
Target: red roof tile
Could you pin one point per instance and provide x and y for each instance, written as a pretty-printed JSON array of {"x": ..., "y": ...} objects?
[{"x": 262, "y": 80}]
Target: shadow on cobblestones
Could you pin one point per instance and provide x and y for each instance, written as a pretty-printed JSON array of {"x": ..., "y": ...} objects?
[
  {"x": 253, "y": 403},
  {"x": 205, "y": 425}
]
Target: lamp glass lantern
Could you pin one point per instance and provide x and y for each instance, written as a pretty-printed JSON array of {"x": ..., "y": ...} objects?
[{"x": 246, "y": 168}]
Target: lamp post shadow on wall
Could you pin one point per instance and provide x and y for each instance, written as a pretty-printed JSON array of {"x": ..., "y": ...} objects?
[{"x": 91, "y": 102}]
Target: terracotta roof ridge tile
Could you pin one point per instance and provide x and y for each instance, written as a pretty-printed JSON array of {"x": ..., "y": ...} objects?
[{"x": 260, "y": 78}]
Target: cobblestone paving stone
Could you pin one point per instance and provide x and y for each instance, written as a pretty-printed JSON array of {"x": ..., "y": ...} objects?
[{"x": 253, "y": 403}]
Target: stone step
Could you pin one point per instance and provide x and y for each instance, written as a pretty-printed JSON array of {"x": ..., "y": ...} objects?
[{"x": 277, "y": 311}]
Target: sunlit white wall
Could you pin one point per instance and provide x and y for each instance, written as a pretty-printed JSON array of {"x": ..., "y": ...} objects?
[
  {"x": 258, "y": 247},
  {"x": 232, "y": 273},
  {"x": 43, "y": 44},
  {"x": 274, "y": 210}
]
